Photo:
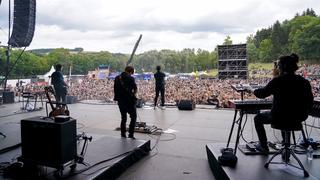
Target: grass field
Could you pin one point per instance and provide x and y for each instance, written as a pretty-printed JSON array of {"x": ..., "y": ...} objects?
[{"x": 252, "y": 66}]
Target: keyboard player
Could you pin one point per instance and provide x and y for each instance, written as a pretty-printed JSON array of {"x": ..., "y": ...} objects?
[{"x": 292, "y": 97}]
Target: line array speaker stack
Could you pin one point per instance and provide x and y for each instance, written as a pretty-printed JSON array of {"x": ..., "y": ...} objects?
[
  {"x": 24, "y": 17},
  {"x": 232, "y": 62},
  {"x": 186, "y": 105}
]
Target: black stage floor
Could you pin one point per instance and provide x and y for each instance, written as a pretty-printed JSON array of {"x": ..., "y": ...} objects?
[
  {"x": 251, "y": 167},
  {"x": 106, "y": 158}
]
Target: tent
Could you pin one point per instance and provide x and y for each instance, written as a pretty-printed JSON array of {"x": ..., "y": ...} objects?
[{"x": 47, "y": 75}]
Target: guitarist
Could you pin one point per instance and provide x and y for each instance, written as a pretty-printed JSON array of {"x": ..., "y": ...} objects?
[
  {"x": 60, "y": 87},
  {"x": 125, "y": 90}
]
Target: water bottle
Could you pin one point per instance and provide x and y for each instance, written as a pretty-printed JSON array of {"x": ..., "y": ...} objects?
[{"x": 310, "y": 153}]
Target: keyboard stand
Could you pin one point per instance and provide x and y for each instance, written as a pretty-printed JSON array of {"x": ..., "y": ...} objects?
[{"x": 239, "y": 122}]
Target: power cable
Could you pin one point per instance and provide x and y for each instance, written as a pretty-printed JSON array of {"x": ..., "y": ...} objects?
[
  {"x": 242, "y": 129},
  {"x": 15, "y": 62},
  {"x": 4, "y": 150}
]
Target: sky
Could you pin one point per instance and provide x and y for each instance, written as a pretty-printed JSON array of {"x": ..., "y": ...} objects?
[{"x": 114, "y": 26}]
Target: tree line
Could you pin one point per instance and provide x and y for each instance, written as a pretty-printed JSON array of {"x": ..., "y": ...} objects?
[{"x": 301, "y": 35}]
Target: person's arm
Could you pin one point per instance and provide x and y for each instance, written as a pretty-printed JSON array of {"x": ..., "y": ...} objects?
[
  {"x": 115, "y": 89},
  {"x": 265, "y": 91},
  {"x": 308, "y": 95},
  {"x": 62, "y": 80},
  {"x": 134, "y": 86}
]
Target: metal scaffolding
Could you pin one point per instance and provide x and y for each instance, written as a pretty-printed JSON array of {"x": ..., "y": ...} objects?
[{"x": 232, "y": 61}]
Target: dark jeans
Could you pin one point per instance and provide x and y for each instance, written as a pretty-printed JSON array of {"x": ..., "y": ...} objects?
[
  {"x": 132, "y": 111},
  {"x": 159, "y": 90},
  {"x": 60, "y": 94},
  {"x": 259, "y": 121}
]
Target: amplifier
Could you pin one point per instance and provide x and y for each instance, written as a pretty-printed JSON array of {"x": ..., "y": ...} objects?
[
  {"x": 140, "y": 103},
  {"x": 315, "y": 111},
  {"x": 48, "y": 143},
  {"x": 186, "y": 105},
  {"x": 8, "y": 97},
  {"x": 71, "y": 99}
]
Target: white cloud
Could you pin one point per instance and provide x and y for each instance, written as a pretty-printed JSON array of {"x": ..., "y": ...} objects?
[{"x": 167, "y": 24}]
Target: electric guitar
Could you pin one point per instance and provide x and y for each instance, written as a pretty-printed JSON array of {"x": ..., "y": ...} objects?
[{"x": 61, "y": 109}]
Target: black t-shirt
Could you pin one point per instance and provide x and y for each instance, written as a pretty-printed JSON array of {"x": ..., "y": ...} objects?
[
  {"x": 125, "y": 88},
  {"x": 57, "y": 79},
  {"x": 292, "y": 98},
  {"x": 159, "y": 77}
]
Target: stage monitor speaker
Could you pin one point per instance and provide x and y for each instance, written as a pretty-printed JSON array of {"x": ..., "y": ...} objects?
[
  {"x": 48, "y": 143},
  {"x": 140, "y": 103},
  {"x": 8, "y": 97},
  {"x": 72, "y": 99},
  {"x": 24, "y": 17},
  {"x": 186, "y": 105}
]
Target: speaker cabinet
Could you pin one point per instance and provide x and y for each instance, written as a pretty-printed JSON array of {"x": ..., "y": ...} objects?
[
  {"x": 8, "y": 97},
  {"x": 24, "y": 17},
  {"x": 186, "y": 105},
  {"x": 72, "y": 99},
  {"x": 45, "y": 142},
  {"x": 140, "y": 103}
]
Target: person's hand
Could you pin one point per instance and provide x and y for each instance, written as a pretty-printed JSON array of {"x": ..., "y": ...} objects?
[{"x": 249, "y": 89}]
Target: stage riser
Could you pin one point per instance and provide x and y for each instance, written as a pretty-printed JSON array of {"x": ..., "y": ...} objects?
[
  {"x": 118, "y": 168},
  {"x": 217, "y": 170},
  {"x": 251, "y": 167}
]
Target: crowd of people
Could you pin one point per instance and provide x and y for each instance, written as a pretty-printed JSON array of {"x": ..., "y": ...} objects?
[
  {"x": 176, "y": 89},
  {"x": 200, "y": 90}
]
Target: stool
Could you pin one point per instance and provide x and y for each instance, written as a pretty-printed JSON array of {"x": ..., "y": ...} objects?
[{"x": 287, "y": 150}]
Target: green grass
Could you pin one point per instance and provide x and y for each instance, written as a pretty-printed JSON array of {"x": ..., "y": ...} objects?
[
  {"x": 253, "y": 66},
  {"x": 213, "y": 72}
]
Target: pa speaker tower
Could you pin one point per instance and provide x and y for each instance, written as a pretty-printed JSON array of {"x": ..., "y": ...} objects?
[{"x": 24, "y": 18}]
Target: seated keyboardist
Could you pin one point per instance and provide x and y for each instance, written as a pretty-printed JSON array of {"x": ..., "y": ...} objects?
[{"x": 292, "y": 99}]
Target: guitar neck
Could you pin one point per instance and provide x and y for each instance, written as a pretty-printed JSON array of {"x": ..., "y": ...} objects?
[
  {"x": 49, "y": 99},
  {"x": 134, "y": 50}
]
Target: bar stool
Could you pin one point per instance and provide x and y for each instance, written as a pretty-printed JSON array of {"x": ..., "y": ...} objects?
[{"x": 287, "y": 150}]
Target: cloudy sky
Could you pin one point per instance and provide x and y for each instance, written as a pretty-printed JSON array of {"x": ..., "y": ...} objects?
[{"x": 115, "y": 26}]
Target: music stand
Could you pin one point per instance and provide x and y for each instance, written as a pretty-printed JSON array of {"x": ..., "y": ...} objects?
[{"x": 1, "y": 99}]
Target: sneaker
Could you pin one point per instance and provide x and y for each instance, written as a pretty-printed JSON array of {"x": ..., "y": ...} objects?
[
  {"x": 262, "y": 149},
  {"x": 132, "y": 137},
  {"x": 162, "y": 108},
  {"x": 123, "y": 136}
]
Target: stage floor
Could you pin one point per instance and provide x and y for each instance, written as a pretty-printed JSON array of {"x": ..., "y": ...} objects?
[{"x": 179, "y": 153}]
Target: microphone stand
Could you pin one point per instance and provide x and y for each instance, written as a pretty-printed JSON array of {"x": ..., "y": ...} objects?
[{"x": 8, "y": 57}]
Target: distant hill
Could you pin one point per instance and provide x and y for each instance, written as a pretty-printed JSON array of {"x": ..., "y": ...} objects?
[{"x": 45, "y": 51}]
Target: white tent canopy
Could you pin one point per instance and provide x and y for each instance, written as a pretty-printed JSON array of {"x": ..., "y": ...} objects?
[{"x": 47, "y": 75}]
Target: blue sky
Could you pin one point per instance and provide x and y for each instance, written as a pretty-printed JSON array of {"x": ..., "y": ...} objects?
[{"x": 114, "y": 26}]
